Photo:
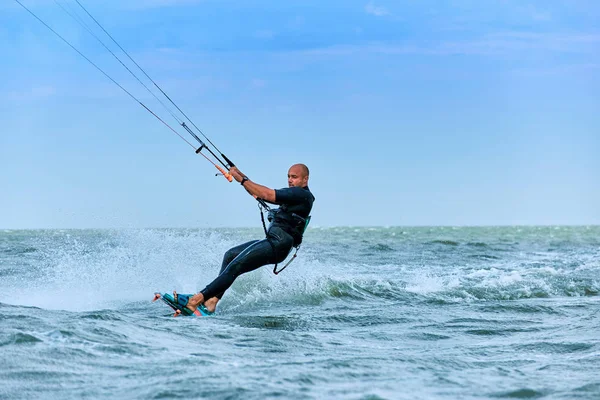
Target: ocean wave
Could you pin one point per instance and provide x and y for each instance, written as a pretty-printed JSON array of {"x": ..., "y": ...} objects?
[
  {"x": 18, "y": 250},
  {"x": 501, "y": 284},
  {"x": 445, "y": 242},
  {"x": 506, "y": 286},
  {"x": 90, "y": 271},
  {"x": 524, "y": 393},
  {"x": 19, "y": 338}
]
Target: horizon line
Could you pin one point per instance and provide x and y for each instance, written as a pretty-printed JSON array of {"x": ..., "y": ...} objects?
[{"x": 592, "y": 225}]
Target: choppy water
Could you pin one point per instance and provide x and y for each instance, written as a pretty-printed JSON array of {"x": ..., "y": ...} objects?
[{"x": 363, "y": 313}]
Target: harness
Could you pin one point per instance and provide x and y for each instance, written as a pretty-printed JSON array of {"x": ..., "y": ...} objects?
[{"x": 271, "y": 213}]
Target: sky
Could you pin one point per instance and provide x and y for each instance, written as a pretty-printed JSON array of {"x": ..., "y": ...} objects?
[{"x": 408, "y": 113}]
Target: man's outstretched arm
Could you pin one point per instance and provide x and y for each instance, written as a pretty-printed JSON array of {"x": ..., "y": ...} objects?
[{"x": 255, "y": 189}]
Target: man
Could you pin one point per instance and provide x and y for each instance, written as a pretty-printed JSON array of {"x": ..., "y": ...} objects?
[{"x": 286, "y": 230}]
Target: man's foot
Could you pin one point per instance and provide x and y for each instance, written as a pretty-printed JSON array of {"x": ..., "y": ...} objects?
[
  {"x": 195, "y": 301},
  {"x": 211, "y": 304}
]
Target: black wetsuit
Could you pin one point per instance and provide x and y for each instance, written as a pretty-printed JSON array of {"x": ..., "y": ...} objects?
[{"x": 285, "y": 232}]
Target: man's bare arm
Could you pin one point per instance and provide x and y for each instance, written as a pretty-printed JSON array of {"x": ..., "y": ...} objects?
[{"x": 255, "y": 189}]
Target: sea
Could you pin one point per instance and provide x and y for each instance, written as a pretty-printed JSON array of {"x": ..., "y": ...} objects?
[{"x": 508, "y": 312}]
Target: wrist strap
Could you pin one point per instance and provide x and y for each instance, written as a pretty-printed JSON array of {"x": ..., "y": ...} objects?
[{"x": 244, "y": 179}]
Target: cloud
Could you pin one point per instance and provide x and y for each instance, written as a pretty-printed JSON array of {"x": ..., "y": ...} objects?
[{"x": 375, "y": 10}]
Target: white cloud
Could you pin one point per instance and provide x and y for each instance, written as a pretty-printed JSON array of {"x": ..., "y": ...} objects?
[{"x": 375, "y": 10}]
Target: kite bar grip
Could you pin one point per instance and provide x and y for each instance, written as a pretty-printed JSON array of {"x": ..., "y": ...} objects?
[{"x": 227, "y": 175}]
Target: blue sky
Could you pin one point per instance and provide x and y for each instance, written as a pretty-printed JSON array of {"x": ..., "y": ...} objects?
[{"x": 407, "y": 112}]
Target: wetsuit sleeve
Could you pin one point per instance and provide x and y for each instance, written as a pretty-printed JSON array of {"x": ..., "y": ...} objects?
[{"x": 293, "y": 195}]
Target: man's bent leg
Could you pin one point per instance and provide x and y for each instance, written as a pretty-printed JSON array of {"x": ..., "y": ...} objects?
[
  {"x": 230, "y": 255},
  {"x": 254, "y": 256},
  {"x": 233, "y": 253}
]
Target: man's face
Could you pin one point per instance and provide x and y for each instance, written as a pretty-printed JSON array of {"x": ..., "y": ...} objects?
[{"x": 296, "y": 177}]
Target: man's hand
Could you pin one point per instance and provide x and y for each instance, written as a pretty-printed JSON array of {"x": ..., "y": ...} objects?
[
  {"x": 237, "y": 175},
  {"x": 256, "y": 190}
]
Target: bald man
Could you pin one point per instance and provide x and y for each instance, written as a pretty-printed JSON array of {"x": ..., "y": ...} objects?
[{"x": 285, "y": 231}]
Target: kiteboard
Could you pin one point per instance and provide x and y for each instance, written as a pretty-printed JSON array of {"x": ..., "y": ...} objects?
[{"x": 180, "y": 309}]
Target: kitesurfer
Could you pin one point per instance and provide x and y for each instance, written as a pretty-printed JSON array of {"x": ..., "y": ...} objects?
[{"x": 285, "y": 232}]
